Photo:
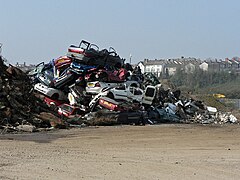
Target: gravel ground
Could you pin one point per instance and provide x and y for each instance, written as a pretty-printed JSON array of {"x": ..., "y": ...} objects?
[{"x": 169, "y": 151}]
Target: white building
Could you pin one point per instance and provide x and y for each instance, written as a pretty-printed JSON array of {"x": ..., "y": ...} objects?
[
  {"x": 204, "y": 66},
  {"x": 169, "y": 66}
]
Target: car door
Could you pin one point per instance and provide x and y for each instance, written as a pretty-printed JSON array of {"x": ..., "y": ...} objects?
[
  {"x": 130, "y": 93},
  {"x": 120, "y": 92},
  {"x": 137, "y": 94},
  {"x": 149, "y": 95}
]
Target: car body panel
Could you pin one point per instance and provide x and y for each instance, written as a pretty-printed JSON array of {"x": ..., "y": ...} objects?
[
  {"x": 115, "y": 105},
  {"x": 69, "y": 111},
  {"x": 49, "y": 92},
  {"x": 67, "y": 78},
  {"x": 50, "y": 101},
  {"x": 149, "y": 95},
  {"x": 127, "y": 93},
  {"x": 45, "y": 77},
  {"x": 38, "y": 69},
  {"x": 110, "y": 104},
  {"x": 97, "y": 86}
]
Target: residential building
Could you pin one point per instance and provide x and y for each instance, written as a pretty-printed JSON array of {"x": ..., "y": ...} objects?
[
  {"x": 24, "y": 67},
  {"x": 166, "y": 67}
]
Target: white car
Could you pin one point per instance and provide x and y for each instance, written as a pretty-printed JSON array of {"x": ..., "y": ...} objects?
[
  {"x": 104, "y": 92},
  {"x": 50, "y": 92},
  {"x": 97, "y": 86},
  {"x": 127, "y": 93}
]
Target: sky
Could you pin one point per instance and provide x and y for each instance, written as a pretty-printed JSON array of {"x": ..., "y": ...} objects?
[{"x": 32, "y": 31}]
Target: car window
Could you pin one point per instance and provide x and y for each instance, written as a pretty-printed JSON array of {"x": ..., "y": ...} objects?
[
  {"x": 137, "y": 92},
  {"x": 150, "y": 92}
]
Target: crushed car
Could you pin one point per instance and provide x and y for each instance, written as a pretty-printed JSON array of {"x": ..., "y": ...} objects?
[
  {"x": 127, "y": 93},
  {"x": 52, "y": 93}
]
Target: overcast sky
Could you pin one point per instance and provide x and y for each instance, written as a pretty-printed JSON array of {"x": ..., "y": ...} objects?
[{"x": 41, "y": 30}]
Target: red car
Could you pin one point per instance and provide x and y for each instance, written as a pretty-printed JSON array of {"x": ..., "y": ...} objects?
[
  {"x": 110, "y": 104},
  {"x": 69, "y": 111},
  {"x": 62, "y": 62},
  {"x": 113, "y": 105},
  {"x": 106, "y": 75},
  {"x": 50, "y": 101}
]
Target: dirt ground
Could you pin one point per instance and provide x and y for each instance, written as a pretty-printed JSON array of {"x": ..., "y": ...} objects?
[{"x": 168, "y": 151}]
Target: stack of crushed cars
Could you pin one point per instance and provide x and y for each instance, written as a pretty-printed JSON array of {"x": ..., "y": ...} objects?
[
  {"x": 88, "y": 80},
  {"x": 89, "y": 86}
]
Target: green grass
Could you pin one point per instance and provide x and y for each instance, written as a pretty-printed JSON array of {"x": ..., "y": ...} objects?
[{"x": 230, "y": 90}]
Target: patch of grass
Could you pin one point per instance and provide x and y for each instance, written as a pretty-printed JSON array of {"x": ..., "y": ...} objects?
[
  {"x": 230, "y": 90},
  {"x": 210, "y": 100}
]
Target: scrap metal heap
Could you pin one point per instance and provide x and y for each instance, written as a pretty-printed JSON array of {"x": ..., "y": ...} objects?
[
  {"x": 19, "y": 107},
  {"x": 89, "y": 86}
]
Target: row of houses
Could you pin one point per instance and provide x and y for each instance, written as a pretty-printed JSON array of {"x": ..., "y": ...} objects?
[
  {"x": 25, "y": 67},
  {"x": 165, "y": 67}
]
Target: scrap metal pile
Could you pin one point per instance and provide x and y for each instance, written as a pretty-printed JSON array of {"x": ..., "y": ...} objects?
[
  {"x": 20, "y": 109},
  {"x": 89, "y": 86}
]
